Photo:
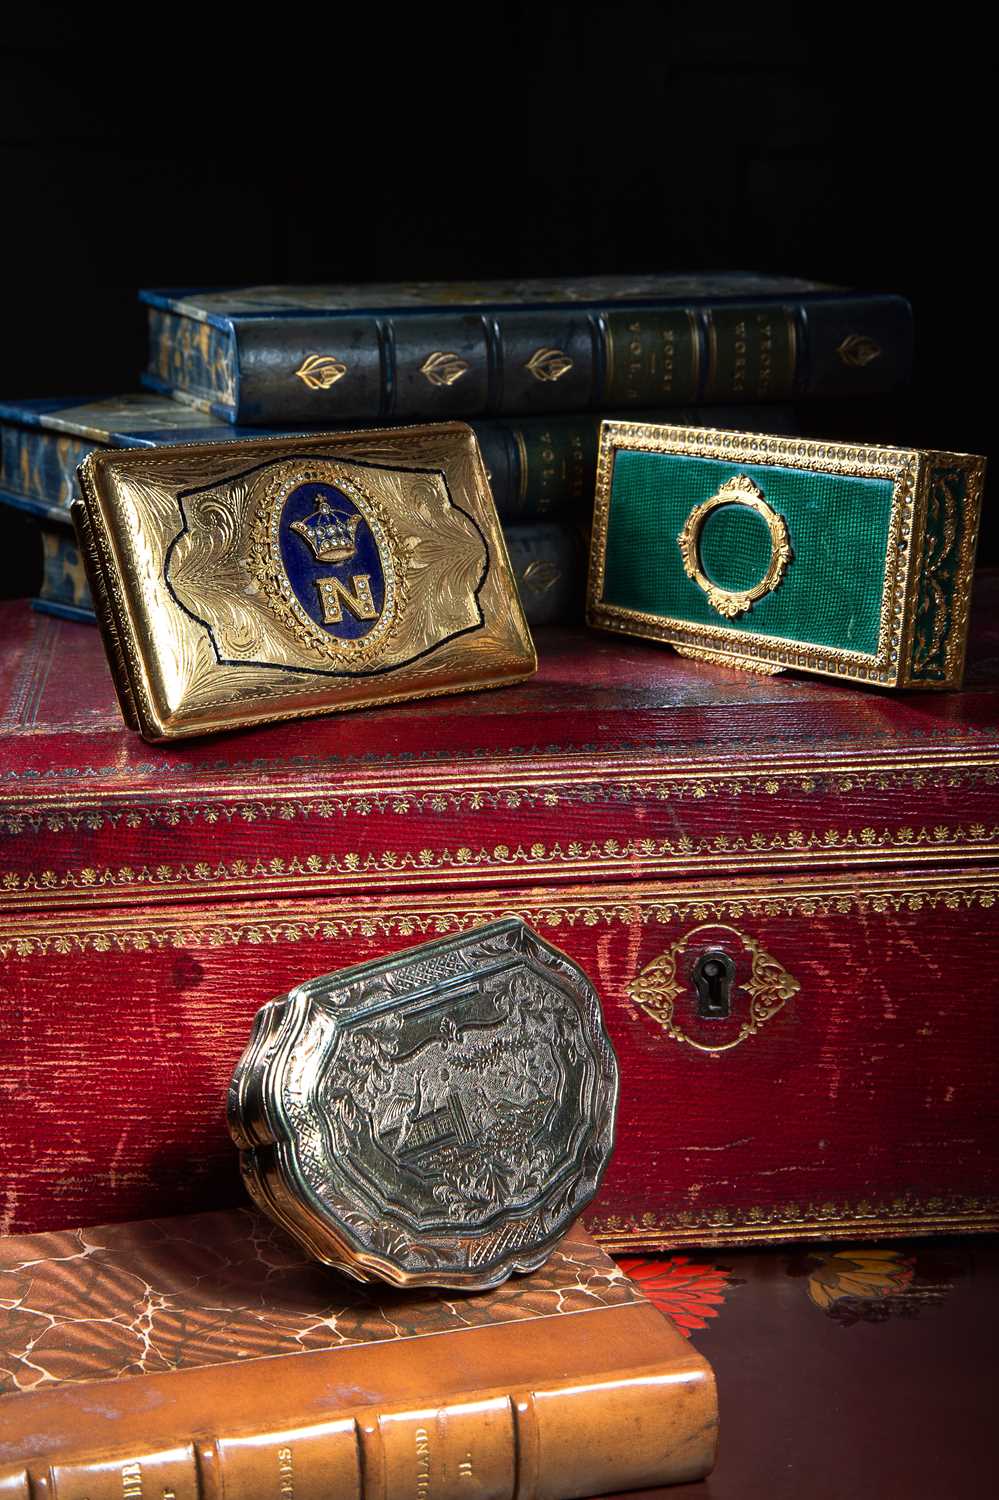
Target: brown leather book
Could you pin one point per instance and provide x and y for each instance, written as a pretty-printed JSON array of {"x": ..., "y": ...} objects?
[{"x": 204, "y": 1358}]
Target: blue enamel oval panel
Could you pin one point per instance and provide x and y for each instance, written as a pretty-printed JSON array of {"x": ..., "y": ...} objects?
[{"x": 331, "y": 558}]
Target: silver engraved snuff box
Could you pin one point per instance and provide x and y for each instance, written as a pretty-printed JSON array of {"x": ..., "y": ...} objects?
[{"x": 438, "y": 1117}]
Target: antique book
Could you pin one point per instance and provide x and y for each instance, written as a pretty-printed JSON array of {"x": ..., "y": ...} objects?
[
  {"x": 62, "y": 583},
  {"x": 281, "y": 354},
  {"x": 776, "y": 884},
  {"x": 63, "y": 589},
  {"x": 771, "y": 552},
  {"x": 538, "y": 467},
  {"x": 207, "y": 1356},
  {"x": 547, "y": 559}
]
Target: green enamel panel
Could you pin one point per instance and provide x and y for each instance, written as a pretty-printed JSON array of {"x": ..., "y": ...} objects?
[
  {"x": 831, "y": 593},
  {"x": 735, "y": 547}
]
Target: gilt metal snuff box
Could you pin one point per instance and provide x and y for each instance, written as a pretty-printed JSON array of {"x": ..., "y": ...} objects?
[
  {"x": 772, "y": 553},
  {"x": 242, "y": 582},
  {"x": 435, "y": 1118}
]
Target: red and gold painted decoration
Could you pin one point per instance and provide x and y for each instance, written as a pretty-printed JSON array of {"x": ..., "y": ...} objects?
[
  {"x": 689, "y": 1292},
  {"x": 850, "y": 1284},
  {"x": 870, "y": 1284}
]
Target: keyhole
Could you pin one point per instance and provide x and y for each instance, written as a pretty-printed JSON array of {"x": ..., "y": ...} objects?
[{"x": 712, "y": 976}]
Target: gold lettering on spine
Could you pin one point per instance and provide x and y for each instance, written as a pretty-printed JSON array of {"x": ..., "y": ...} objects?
[
  {"x": 766, "y": 371},
  {"x": 334, "y": 593},
  {"x": 633, "y": 364},
  {"x": 422, "y": 1464},
  {"x": 668, "y": 353},
  {"x": 131, "y": 1482},
  {"x": 647, "y": 360},
  {"x": 286, "y": 1474},
  {"x": 740, "y": 353}
]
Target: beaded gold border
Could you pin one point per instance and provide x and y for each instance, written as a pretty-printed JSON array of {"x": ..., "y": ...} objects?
[
  {"x": 272, "y": 576},
  {"x": 477, "y": 864},
  {"x": 565, "y": 780},
  {"x": 129, "y": 928},
  {"x": 886, "y": 667},
  {"x": 770, "y": 1224}
]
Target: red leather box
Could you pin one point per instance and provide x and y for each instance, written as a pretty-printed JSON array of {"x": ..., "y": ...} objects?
[{"x": 831, "y": 850}]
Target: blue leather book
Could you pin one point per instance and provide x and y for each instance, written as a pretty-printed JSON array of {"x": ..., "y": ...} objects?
[
  {"x": 42, "y": 442},
  {"x": 539, "y": 467},
  {"x": 288, "y": 355}
]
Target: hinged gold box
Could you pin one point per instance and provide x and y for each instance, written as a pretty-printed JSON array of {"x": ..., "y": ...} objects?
[
  {"x": 242, "y": 582},
  {"x": 774, "y": 552}
]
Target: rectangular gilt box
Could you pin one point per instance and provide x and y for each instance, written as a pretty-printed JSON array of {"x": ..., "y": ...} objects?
[
  {"x": 241, "y": 582},
  {"x": 775, "y": 552}
]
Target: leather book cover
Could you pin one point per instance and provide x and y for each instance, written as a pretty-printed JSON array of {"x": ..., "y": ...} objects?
[
  {"x": 777, "y": 885},
  {"x": 288, "y": 354},
  {"x": 207, "y": 1355}
]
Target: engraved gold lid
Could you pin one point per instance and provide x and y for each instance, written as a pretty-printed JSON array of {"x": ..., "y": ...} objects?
[
  {"x": 435, "y": 1118},
  {"x": 248, "y": 581}
]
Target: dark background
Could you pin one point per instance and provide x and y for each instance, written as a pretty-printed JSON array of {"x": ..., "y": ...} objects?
[{"x": 185, "y": 146}]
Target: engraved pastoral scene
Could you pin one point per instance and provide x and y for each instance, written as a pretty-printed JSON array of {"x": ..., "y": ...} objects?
[{"x": 474, "y": 1106}]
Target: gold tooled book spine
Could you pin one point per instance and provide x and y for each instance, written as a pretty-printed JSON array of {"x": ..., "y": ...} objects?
[{"x": 610, "y": 1400}]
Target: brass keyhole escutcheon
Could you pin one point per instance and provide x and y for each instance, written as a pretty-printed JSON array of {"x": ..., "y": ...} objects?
[
  {"x": 696, "y": 981},
  {"x": 712, "y": 975},
  {"x": 740, "y": 490}
]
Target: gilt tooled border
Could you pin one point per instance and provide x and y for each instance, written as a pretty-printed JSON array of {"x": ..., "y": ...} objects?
[
  {"x": 900, "y": 465},
  {"x": 469, "y": 865},
  {"x": 761, "y": 1224},
  {"x": 445, "y": 790},
  {"x": 330, "y": 918}
]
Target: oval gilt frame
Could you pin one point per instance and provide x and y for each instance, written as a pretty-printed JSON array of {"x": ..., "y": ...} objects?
[{"x": 731, "y": 603}]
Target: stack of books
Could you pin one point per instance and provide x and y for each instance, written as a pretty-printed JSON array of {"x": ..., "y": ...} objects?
[{"x": 533, "y": 365}]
